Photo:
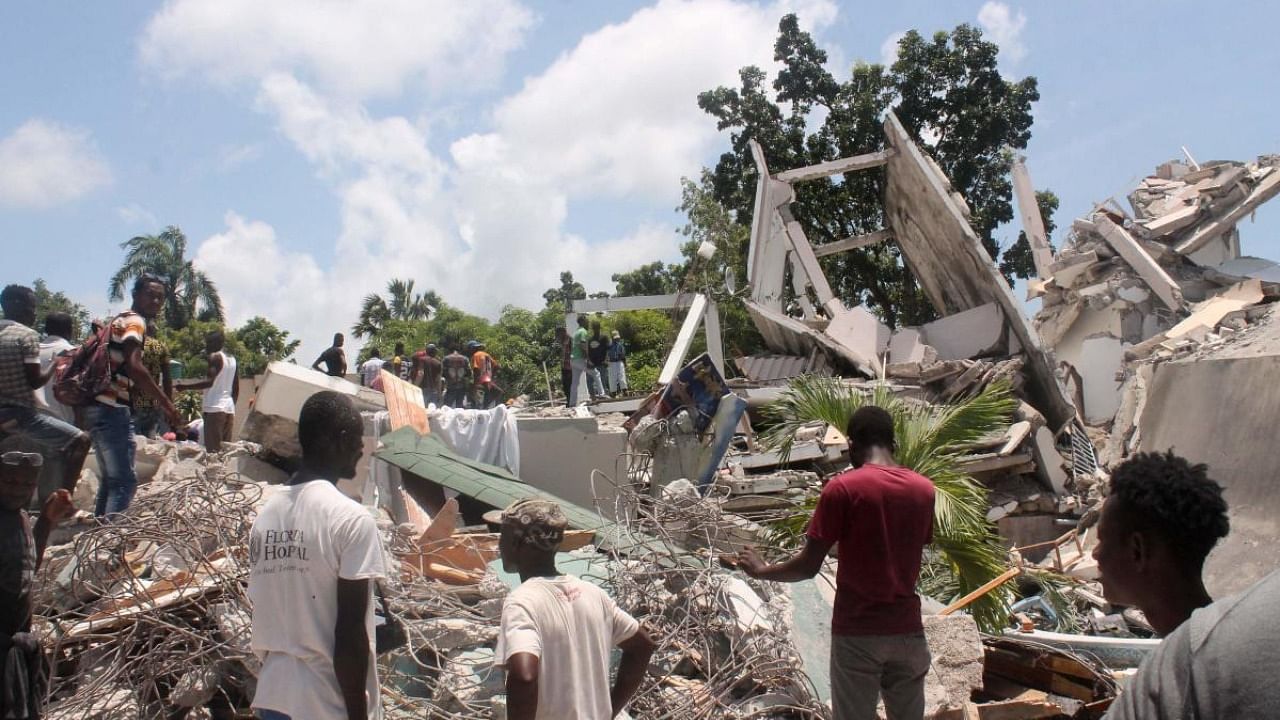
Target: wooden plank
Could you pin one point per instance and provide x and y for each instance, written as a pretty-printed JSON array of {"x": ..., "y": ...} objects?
[
  {"x": 1019, "y": 710},
  {"x": 1140, "y": 260},
  {"x": 404, "y": 404},
  {"x": 1265, "y": 190},
  {"x": 986, "y": 588},
  {"x": 853, "y": 243},
  {"x": 836, "y": 167}
]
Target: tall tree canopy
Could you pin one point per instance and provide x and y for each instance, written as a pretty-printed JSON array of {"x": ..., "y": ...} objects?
[
  {"x": 949, "y": 94},
  {"x": 401, "y": 303},
  {"x": 191, "y": 293},
  {"x": 49, "y": 301}
]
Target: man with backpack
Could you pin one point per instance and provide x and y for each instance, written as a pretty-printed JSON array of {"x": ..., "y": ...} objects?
[
  {"x": 21, "y": 375},
  {"x": 109, "y": 413}
]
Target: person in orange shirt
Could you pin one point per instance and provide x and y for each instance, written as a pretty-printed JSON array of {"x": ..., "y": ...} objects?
[{"x": 483, "y": 368}]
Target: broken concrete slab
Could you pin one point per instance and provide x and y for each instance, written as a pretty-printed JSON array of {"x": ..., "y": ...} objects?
[
  {"x": 957, "y": 667},
  {"x": 973, "y": 333},
  {"x": 1140, "y": 260},
  {"x": 1050, "y": 465},
  {"x": 907, "y": 345},
  {"x": 948, "y": 260},
  {"x": 861, "y": 333}
]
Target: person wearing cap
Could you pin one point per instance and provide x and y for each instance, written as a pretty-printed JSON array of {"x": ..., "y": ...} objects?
[
  {"x": 22, "y": 544},
  {"x": 557, "y": 631},
  {"x": 617, "y": 355}
]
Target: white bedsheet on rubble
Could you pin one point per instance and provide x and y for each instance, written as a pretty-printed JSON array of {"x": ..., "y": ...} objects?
[{"x": 489, "y": 436}]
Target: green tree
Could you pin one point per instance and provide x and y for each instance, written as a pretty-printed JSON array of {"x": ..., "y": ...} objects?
[
  {"x": 1017, "y": 260},
  {"x": 656, "y": 278},
  {"x": 401, "y": 303},
  {"x": 186, "y": 345},
  {"x": 966, "y": 552},
  {"x": 568, "y": 291},
  {"x": 48, "y": 301},
  {"x": 947, "y": 91},
  {"x": 190, "y": 294},
  {"x": 263, "y": 343}
]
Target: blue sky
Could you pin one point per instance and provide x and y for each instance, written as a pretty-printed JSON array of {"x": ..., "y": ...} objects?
[{"x": 313, "y": 149}]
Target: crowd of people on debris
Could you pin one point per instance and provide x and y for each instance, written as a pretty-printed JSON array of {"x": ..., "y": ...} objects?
[{"x": 315, "y": 554}]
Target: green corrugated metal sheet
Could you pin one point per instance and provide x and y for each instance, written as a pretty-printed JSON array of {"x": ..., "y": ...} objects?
[{"x": 428, "y": 457}]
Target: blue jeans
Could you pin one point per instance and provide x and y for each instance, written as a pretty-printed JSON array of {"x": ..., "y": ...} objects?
[
  {"x": 264, "y": 714},
  {"x": 54, "y": 434},
  {"x": 113, "y": 443}
]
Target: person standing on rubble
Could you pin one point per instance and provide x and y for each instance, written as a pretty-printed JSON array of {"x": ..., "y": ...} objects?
[
  {"x": 484, "y": 368},
  {"x": 578, "y": 360},
  {"x": 21, "y": 374},
  {"x": 1162, "y": 517},
  {"x": 428, "y": 375},
  {"x": 881, "y": 516},
  {"x": 314, "y": 556},
  {"x": 222, "y": 391},
  {"x": 148, "y": 420},
  {"x": 370, "y": 369},
  {"x": 597, "y": 360},
  {"x": 617, "y": 354},
  {"x": 334, "y": 359},
  {"x": 457, "y": 379},
  {"x": 22, "y": 544},
  {"x": 110, "y": 416},
  {"x": 558, "y": 632}
]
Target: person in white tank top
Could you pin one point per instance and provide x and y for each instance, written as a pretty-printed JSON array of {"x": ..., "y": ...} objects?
[{"x": 222, "y": 390}]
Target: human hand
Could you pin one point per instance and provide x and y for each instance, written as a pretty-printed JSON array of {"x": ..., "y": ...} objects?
[
  {"x": 172, "y": 417},
  {"x": 58, "y": 507}
]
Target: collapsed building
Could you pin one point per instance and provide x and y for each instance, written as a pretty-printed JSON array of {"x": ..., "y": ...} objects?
[{"x": 1152, "y": 328}]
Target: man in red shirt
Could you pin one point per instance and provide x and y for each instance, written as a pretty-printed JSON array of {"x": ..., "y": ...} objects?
[{"x": 881, "y": 515}]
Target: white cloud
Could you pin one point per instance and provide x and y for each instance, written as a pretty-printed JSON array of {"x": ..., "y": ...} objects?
[
  {"x": 358, "y": 48},
  {"x": 232, "y": 157},
  {"x": 1003, "y": 26},
  {"x": 889, "y": 48},
  {"x": 44, "y": 164},
  {"x": 135, "y": 214},
  {"x": 618, "y": 114},
  {"x": 486, "y": 225}
]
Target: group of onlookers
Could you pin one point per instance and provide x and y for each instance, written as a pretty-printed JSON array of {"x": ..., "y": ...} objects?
[
  {"x": 455, "y": 380},
  {"x": 590, "y": 355}
]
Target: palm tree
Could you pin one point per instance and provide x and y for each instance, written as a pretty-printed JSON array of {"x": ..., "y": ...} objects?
[
  {"x": 966, "y": 552},
  {"x": 375, "y": 311},
  {"x": 190, "y": 293}
]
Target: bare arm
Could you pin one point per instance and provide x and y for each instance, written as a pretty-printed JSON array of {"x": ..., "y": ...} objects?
[
  {"x": 802, "y": 566},
  {"x": 143, "y": 380},
  {"x": 351, "y": 647},
  {"x": 636, "y": 651},
  {"x": 214, "y": 361},
  {"x": 316, "y": 365},
  {"x": 235, "y": 388},
  {"x": 522, "y": 686},
  {"x": 166, "y": 378}
]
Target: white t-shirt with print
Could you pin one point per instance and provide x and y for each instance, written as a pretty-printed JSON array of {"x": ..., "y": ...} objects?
[
  {"x": 305, "y": 538},
  {"x": 572, "y": 627}
]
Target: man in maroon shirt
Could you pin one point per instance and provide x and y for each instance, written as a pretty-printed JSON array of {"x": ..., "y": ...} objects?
[{"x": 881, "y": 515}]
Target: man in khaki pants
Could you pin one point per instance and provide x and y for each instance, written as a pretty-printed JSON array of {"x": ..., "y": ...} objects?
[
  {"x": 881, "y": 515},
  {"x": 222, "y": 389}
]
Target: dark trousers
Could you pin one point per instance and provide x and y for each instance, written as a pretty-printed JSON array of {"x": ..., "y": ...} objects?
[{"x": 566, "y": 382}]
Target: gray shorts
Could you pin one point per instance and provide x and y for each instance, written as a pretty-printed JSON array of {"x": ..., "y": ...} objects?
[{"x": 866, "y": 667}]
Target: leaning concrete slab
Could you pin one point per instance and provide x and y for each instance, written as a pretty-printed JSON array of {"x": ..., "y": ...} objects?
[
  {"x": 978, "y": 332},
  {"x": 949, "y": 262},
  {"x": 768, "y": 253},
  {"x": 1141, "y": 261}
]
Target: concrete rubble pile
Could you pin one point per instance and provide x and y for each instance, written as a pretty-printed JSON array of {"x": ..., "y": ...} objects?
[{"x": 1161, "y": 328}]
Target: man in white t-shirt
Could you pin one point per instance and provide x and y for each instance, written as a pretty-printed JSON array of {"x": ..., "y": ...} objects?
[
  {"x": 558, "y": 632},
  {"x": 315, "y": 555},
  {"x": 370, "y": 368}
]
